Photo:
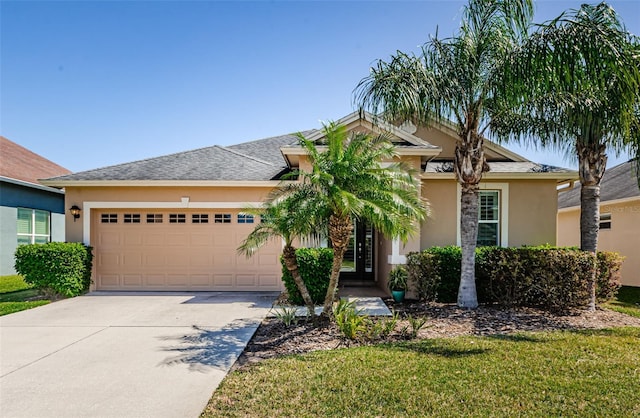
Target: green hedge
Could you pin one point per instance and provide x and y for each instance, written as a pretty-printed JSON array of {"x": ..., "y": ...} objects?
[
  {"x": 546, "y": 277},
  {"x": 315, "y": 268},
  {"x": 63, "y": 268}
]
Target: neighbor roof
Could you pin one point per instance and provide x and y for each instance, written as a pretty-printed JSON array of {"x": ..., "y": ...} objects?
[
  {"x": 619, "y": 182},
  {"x": 17, "y": 162}
]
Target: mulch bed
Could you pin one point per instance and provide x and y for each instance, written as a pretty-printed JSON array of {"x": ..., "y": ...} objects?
[{"x": 273, "y": 339}]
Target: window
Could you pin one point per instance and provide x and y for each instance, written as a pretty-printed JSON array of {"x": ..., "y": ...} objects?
[
  {"x": 154, "y": 218},
  {"x": 109, "y": 218},
  {"x": 488, "y": 218},
  {"x": 222, "y": 218},
  {"x": 131, "y": 218},
  {"x": 199, "y": 218},
  {"x": 245, "y": 219},
  {"x": 177, "y": 218},
  {"x": 33, "y": 226},
  {"x": 605, "y": 221}
]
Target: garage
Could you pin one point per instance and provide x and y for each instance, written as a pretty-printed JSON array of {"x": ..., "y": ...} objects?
[{"x": 179, "y": 250}]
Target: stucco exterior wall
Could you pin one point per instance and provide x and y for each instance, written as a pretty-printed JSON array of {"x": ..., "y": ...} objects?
[
  {"x": 531, "y": 212},
  {"x": 79, "y": 195},
  {"x": 533, "y": 206},
  {"x": 623, "y": 237},
  {"x": 8, "y": 239}
]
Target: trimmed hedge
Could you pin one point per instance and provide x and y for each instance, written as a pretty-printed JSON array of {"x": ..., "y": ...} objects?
[
  {"x": 59, "y": 267},
  {"x": 545, "y": 277},
  {"x": 315, "y": 268}
]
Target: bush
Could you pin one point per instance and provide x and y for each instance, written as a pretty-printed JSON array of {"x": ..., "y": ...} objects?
[
  {"x": 546, "y": 277},
  {"x": 423, "y": 275},
  {"x": 315, "y": 269},
  {"x": 62, "y": 268},
  {"x": 608, "y": 280}
]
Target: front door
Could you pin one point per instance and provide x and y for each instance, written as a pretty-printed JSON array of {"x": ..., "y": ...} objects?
[{"x": 358, "y": 262}]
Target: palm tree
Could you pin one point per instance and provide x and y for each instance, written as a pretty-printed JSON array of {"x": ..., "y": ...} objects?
[
  {"x": 579, "y": 82},
  {"x": 347, "y": 181},
  {"x": 454, "y": 79},
  {"x": 282, "y": 219}
]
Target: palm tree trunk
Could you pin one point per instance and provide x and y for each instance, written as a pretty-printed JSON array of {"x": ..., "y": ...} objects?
[
  {"x": 467, "y": 295},
  {"x": 290, "y": 260},
  {"x": 592, "y": 163},
  {"x": 469, "y": 164},
  {"x": 340, "y": 229}
]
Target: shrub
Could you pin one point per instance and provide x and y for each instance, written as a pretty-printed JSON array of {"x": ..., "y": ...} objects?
[
  {"x": 62, "y": 268},
  {"x": 423, "y": 275},
  {"x": 608, "y": 276},
  {"x": 546, "y": 277},
  {"x": 314, "y": 265}
]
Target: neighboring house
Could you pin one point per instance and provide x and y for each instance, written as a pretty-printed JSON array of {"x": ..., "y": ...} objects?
[
  {"x": 174, "y": 222},
  {"x": 29, "y": 212},
  {"x": 619, "y": 218}
]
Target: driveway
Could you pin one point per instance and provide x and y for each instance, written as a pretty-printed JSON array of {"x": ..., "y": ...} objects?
[{"x": 111, "y": 354}]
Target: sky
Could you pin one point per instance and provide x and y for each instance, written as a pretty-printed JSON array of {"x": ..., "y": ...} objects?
[{"x": 89, "y": 84}]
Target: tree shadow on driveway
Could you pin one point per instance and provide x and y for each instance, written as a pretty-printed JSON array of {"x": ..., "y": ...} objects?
[{"x": 206, "y": 348}]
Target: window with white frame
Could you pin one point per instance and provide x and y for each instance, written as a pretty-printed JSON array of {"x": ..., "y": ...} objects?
[
  {"x": 34, "y": 226},
  {"x": 488, "y": 218}
]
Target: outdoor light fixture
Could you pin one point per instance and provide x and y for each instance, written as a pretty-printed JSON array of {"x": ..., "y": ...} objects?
[{"x": 75, "y": 212}]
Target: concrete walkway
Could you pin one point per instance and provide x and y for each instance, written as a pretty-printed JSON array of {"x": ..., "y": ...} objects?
[{"x": 124, "y": 354}]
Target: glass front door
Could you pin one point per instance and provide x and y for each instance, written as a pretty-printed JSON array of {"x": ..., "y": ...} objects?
[{"x": 359, "y": 257}]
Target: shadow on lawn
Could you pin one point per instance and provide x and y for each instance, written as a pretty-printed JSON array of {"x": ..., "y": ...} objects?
[
  {"x": 204, "y": 348},
  {"x": 438, "y": 348}
]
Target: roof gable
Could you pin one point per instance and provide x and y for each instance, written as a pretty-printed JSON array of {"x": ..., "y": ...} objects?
[{"x": 17, "y": 162}]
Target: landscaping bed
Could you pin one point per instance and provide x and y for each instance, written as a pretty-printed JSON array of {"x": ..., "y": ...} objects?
[{"x": 273, "y": 339}]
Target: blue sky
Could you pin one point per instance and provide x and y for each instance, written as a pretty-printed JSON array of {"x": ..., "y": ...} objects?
[{"x": 88, "y": 84}]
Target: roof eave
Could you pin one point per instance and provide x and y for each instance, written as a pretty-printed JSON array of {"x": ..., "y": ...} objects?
[
  {"x": 42, "y": 186},
  {"x": 560, "y": 177},
  {"x": 161, "y": 183}
]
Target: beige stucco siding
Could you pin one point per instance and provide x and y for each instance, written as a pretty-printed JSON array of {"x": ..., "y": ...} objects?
[
  {"x": 79, "y": 195},
  {"x": 531, "y": 212},
  {"x": 623, "y": 237},
  {"x": 533, "y": 206},
  {"x": 440, "y": 228}
]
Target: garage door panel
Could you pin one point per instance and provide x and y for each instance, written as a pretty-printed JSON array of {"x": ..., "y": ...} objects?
[
  {"x": 246, "y": 280},
  {"x": 132, "y": 280},
  {"x": 155, "y": 254}
]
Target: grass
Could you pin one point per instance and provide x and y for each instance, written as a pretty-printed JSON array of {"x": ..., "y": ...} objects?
[
  {"x": 627, "y": 301},
  {"x": 588, "y": 373},
  {"x": 16, "y": 295}
]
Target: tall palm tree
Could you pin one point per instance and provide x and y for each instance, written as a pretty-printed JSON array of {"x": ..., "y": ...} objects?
[
  {"x": 579, "y": 82},
  {"x": 454, "y": 79},
  {"x": 288, "y": 220},
  {"x": 347, "y": 181}
]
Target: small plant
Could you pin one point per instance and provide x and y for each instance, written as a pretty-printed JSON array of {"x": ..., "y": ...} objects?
[
  {"x": 398, "y": 279},
  {"x": 287, "y": 315},
  {"x": 349, "y": 320},
  {"x": 381, "y": 328},
  {"x": 416, "y": 324}
]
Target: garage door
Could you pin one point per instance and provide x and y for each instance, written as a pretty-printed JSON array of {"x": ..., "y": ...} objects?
[{"x": 179, "y": 250}]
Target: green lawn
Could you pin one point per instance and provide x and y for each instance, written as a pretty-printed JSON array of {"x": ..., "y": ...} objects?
[
  {"x": 587, "y": 373},
  {"x": 627, "y": 301},
  {"x": 16, "y": 295}
]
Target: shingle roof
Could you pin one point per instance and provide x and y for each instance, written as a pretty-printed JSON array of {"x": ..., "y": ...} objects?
[
  {"x": 618, "y": 182},
  {"x": 17, "y": 162},
  {"x": 211, "y": 163},
  {"x": 500, "y": 167},
  {"x": 268, "y": 149}
]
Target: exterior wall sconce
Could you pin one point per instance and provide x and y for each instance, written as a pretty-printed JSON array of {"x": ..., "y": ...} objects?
[{"x": 75, "y": 212}]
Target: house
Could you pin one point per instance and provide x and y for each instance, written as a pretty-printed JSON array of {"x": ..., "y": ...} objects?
[
  {"x": 619, "y": 218},
  {"x": 29, "y": 212},
  {"x": 174, "y": 222}
]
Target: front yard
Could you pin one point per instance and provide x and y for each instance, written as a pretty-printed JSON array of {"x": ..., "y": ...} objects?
[
  {"x": 16, "y": 295},
  {"x": 571, "y": 372}
]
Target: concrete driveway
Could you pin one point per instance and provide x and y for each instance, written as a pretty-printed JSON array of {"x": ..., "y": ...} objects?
[{"x": 111, "y": 354}]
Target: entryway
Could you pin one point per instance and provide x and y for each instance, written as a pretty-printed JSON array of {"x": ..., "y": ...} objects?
[{"x": 359, "y": 259}]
